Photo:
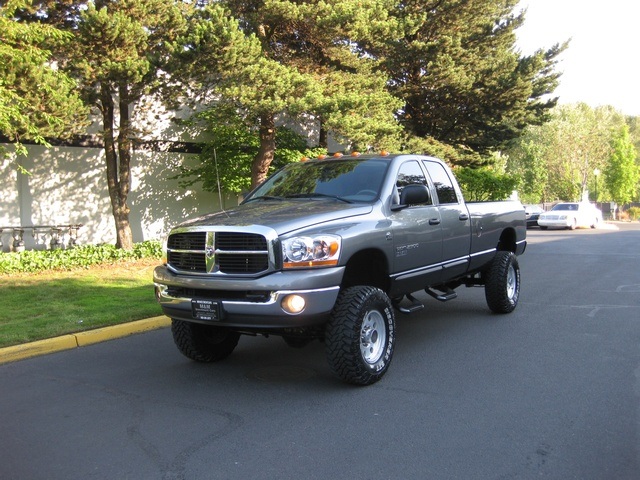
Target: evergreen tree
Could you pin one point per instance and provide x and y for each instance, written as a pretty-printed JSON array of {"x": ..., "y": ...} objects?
[
  {"x": 118, "y": 54},
  {"x": 226, "y": 159},
  {"x": 307, "y": 61},
  {"x": 36, "y": 100},
  {"x": 461, "y": 79}
]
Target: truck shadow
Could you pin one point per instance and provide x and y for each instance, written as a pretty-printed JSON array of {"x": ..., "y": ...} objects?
[{"x": 270, "y": 362}]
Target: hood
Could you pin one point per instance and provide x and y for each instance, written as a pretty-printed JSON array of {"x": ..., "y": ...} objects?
[{"x": 282, "y": 215}]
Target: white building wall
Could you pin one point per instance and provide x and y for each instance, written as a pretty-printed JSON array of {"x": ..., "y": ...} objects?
[{"x": 67, "y": 185}]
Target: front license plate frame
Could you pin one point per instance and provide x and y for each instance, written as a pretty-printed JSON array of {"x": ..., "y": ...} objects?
[{"x": 205, "y": 310}]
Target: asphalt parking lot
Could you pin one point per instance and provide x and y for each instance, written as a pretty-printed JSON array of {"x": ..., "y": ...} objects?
[{"x": 551, "y": 390}]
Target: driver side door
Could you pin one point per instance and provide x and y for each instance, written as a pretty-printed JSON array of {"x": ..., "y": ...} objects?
[{"x": 417, "y": 236}]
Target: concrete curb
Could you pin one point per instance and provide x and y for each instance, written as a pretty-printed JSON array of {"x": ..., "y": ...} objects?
[{"x": 80, "y": 339}]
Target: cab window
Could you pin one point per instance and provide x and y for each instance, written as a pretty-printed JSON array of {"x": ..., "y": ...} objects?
[{"x": 444, "y": 186}]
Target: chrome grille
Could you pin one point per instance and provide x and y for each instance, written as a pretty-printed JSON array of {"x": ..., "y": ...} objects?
[{"x": 218, "y": 252}]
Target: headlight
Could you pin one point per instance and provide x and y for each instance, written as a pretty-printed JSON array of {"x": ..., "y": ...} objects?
[
  {"x": 165, "y": 240},
  {"x": 304, "y": 252}
]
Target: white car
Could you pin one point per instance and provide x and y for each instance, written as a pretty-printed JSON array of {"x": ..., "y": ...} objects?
[
  {"x": 571, "y": 215},
  {"x": 532, "y": 213}
]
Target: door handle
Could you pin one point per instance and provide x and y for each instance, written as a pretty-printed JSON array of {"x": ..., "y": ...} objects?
[
  {"x": 463, "y": 217},
  {"x": 434, "y": 221}
]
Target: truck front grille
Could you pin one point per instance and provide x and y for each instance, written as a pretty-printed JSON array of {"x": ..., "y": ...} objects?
[
  {"x": 218, "y": 252},
  {"x": 191, "y": 261}
]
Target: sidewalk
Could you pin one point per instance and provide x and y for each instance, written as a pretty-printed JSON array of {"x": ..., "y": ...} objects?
[
  {"x": 607, "y": 225},
  {"x": 80, "y": 339}
]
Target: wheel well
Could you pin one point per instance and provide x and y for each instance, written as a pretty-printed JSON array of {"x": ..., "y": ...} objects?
[
  {"x": 367, "y": 267},
  {"x": 507, "y": 240}
]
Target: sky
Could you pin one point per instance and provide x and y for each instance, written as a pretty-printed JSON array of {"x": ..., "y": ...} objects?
[{"x": 602, "y": 64}]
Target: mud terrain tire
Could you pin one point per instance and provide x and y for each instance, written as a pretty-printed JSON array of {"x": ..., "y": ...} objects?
[
  {"x": 203, "y": 343},
  {"x": 360, "y": 335},
  {"x": 502, "y": 286}
]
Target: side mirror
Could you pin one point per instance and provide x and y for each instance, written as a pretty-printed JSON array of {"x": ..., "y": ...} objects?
[{"x": 412, "y": 195}]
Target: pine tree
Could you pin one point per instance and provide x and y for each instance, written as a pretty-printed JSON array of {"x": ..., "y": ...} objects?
[
  {"x": 461, "y": 79},
  {"x": 118, "y": 53},
  {"x": 307, "y": 61},
  {"x": 36, "y": 100}
]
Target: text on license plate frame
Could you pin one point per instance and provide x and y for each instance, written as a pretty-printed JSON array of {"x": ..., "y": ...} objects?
[{"x": 205, "y": 309}]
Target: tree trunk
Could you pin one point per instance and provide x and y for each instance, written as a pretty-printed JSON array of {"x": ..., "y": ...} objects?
[
  {"x": 118, "y": 160},
  {"x": 323, "y": 138},
  {"x": 266, "y": 152}
]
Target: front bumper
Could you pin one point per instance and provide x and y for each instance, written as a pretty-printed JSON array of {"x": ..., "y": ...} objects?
[
  {"x": 251, "y": 303},
  {"x": 559, "y": 223}
]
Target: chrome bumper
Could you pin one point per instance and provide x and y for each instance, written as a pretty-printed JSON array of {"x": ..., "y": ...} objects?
[{"x": 319, "y": 289}]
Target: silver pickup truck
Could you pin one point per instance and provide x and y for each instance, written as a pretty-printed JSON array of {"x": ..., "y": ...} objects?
[{"x": 331, "y": 249}]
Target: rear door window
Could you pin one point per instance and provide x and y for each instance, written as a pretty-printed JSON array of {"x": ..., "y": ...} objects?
[{"x": 444, "y": 185}]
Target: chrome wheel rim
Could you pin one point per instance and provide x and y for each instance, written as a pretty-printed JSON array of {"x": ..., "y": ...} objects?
[
  {"x": 373, "y": 337},
  {"x": 512, "y": 282}
]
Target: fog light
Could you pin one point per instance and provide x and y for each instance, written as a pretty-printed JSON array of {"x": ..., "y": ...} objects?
[{"x": 293, "y": 304}]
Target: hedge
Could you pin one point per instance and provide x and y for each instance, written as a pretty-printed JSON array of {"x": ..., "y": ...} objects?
[{"x": 33, "y": 261}]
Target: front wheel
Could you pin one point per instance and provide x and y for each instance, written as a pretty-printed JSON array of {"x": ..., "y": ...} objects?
[
  {"x": 203, "y": 343},
  {"x": 502, "y": 286},
  {"x": 360, "y": 335}
]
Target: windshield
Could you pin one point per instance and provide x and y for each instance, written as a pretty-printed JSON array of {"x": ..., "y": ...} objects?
[
  {"x": 565, "y": 206},
  {"x": 350, "y": 180}
]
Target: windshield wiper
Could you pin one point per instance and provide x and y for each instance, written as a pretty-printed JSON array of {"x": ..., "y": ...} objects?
[
  {"x": 264, "y": 197},
  {"x": 319, "y": 195}
]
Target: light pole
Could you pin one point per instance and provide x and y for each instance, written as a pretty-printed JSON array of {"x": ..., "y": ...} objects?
[{"x": 596, "y": 173}]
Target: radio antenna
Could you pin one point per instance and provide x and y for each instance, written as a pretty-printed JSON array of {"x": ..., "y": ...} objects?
[{"x": 215, "y": 160}]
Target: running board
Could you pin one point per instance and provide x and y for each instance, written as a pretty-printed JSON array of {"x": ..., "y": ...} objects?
[
  {"x": 443, "y": 296},
  {"x": 414, "y": 307}
]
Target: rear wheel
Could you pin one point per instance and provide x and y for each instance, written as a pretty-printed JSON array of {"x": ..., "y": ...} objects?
[
  {"x": 360, "y": 335},
  {"x": 203, "y": 343},
  {"x": 502, "y": 287}
]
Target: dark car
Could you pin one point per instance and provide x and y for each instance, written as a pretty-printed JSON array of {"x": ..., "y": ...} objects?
[{"x": 532, "y": 212}]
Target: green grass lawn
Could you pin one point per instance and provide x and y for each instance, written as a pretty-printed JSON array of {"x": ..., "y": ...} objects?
[{"x": 38, "y": 306}]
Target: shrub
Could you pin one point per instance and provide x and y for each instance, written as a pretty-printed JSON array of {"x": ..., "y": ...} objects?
[
  {"x": 485, "y": 184},
  {"x": 634, "y": 213},
  {"x": 32, "y": 261}
]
